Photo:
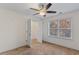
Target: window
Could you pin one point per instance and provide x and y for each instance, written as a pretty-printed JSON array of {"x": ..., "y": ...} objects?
[{"x": 60, "y": 28}]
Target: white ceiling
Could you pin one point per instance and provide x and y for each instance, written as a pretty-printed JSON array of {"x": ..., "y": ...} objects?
[{"x": 24, "y": 7}]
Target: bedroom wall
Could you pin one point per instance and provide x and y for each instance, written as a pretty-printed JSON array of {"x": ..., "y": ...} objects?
[
  {"x": 71, "y": 43},
  {"x": 12, "y": 30}
]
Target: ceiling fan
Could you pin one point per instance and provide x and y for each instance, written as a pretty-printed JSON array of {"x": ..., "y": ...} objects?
[{"x": 43, "y": 10}]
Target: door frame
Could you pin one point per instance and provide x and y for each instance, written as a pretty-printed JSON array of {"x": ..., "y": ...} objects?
[{"x": 28, "y": 31}]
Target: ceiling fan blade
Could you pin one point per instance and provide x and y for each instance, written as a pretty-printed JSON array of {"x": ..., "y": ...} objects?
[
  {"x": 51, "y": 11},
  {"x": 36, "y": 14},
  {"x": 34, "y": 9},
  {"x": 49, "y": 4}
]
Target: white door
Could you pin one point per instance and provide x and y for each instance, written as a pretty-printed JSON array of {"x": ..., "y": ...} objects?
[{"x": 28, "y": 33}]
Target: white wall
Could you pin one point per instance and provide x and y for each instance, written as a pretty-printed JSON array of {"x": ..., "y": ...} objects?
[
  {"x": 74, "y": 42},
  {"x": 12, "y": 30}
]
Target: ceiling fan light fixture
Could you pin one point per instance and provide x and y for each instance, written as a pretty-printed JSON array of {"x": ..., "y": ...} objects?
[
  {"x": 43, "y": 9},
  {"x": 42, "y": 13}
]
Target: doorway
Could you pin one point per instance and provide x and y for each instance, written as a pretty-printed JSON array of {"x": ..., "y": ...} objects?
[{"x": 34, "y": 33}]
